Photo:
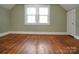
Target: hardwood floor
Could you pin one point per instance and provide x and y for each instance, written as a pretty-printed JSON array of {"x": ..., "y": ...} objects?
[{"x": 38, "y": 44}]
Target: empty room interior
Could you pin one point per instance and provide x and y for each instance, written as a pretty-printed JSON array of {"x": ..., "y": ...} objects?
[{"x": 39, "y": 29}]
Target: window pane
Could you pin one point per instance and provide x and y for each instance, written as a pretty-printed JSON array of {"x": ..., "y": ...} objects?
[
  {"x": 31, "y": 11},
  {"x": 31, "y": 19},
  {"x": 43, "y": 19},
  {"x": 43, "y": 11}
]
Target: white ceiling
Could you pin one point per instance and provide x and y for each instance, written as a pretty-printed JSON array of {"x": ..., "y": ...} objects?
[{"x": 65, "y": 6}]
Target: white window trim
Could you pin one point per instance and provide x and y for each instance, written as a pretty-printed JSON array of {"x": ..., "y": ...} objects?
[{"x": 25, "y": 6}]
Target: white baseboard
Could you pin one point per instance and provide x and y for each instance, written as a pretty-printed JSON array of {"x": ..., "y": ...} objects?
[
  {"x": 41, "y": 33},
  {"x": 46, "y": 33},
  {"x": 75, "y": 36},
  {"x": 3, "y": 34}
]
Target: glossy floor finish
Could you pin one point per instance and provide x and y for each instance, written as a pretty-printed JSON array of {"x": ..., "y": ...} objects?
[{"x": 38, "y": 44}]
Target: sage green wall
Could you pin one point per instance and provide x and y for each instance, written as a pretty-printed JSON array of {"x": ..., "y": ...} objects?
[
  {"x": 77, "y": 21},
  {"x": 58, "y": 20},
  {"x": 4, "y": 20}
]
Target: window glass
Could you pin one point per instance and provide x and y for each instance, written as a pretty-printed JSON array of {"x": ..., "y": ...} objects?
[
  {"x": 43, "y": 11},
  {"x": 31, "y": 11},
  {"x": 43, "y": 19},
  {"x": 31, "y": 19}
]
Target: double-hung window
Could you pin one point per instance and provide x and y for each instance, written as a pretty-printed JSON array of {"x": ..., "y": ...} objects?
[{"x": 37, "y": 14}]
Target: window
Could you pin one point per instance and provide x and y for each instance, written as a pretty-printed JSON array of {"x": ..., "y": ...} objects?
[{"x": 36, "y": 14}]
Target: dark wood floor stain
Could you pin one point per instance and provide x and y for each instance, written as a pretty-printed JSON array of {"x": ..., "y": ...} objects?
[{"x": 38, "y": 44}]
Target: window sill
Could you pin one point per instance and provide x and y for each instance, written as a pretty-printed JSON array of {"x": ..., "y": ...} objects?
[{"x": 36, "y": 24}]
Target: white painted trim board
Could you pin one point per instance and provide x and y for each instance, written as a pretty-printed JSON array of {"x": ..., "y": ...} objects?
[
  {"x": 41, "y": 33},
  {"x": 47, "y": 33},
  {"x": 3, "y": 34},
  {"x": 77, "y": 37}
]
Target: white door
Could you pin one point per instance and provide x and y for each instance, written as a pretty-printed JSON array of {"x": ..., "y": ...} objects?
[{"x": 71, "y": 17}]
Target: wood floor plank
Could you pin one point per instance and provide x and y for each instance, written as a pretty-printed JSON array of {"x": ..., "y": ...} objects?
[{"x": 38, "y": 44}]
